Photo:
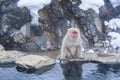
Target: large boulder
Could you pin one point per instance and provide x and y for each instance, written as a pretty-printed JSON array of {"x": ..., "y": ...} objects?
[
  {"x": 31, "y": 63},
  {"x": 9, "y": 57}
]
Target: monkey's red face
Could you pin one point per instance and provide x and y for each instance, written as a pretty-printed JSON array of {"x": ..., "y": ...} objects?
[{"x": 74, "y": 34}]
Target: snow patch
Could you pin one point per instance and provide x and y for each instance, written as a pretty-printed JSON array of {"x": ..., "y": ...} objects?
[
  {"x": 115, "y": 39},
  {"x": 93, "y": 4},
  {"x": 34, "y": 6},
  {"x": 115, "y": 3},
  {"x": 113, "y": 23},
  {"x": 91, "y": 51}
]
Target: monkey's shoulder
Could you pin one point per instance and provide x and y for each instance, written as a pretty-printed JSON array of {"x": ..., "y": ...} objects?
[{"x": 65, "y": 39}]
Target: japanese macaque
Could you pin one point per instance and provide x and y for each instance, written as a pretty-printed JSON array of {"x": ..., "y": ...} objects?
[{"x": 71, "y": 45}]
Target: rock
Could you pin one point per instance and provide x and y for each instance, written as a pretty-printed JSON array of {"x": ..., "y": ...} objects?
[
  {"x": 1, "y": 48},
  {"x": 106, "y": 43},
  {"x": 107, "y": 58},
  {"x": 41, "y": 43},
  {"x": 107, "y": 11},
  {"x": 36, "y": 30},
  {"x": 12, "y": 19},
  {"x": 98, "y": 44},
  {"x": 118, "y": 50},
  {"x": 25, "y": 29},
  {"x": 35, "y": 44},
  {"x": 35, "y": 62},
  {"x": 20, "y": 36},
  {"x": 9, "y": 57}
]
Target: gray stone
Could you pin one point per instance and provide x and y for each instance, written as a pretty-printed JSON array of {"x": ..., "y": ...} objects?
[
  {"x": 5, "y": 28},
  {"x": 118, "y": 50},
  {"x": 103, "y": 58},
  {"x": 21, "y": 35},
  {"x": 25, "y": 29},
  {"x": 18, "y": 37},
  {"x": 40, "y": 43},
  {"x": 1, "y": 48},
  {"x": 30, "y": 47},
  {"x": 106, "y": 44},
  {"x": 98, "y": 45},
  {"x": 41, "y": 63},
  {"x": 9, "y": 56},
  {"x": 46, "y": 46}
]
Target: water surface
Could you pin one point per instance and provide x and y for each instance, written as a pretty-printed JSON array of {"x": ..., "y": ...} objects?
[{"x": 69, "y": 71}]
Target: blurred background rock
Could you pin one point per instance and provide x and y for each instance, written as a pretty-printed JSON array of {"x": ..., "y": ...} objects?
[{"x": 20, "y": 30}]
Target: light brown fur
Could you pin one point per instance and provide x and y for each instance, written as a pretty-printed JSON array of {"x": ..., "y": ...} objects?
[{"x": 71, "y": 47}]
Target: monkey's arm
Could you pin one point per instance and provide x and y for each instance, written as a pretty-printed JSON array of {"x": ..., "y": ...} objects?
[
  {"x": 64, "y": 48},
  {"x": 63, "y": 53},
  {"x": 79, "y": 51}
]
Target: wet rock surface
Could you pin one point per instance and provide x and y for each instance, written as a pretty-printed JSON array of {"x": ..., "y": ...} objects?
[
  {"x": 9, "y": 57},
  {"x": 31, "y": 63},
  {"x": 106, "y": 58},
  {"x": 28, "y": 62}
]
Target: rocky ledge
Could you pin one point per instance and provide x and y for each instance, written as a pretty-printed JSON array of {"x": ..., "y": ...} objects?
[
  {"x": 107, "y": 58},
  {"x": 26, "y": 62},
  {"x": 41, "y": 62},
  {"x": 34, "y": 63},
  {"x": 9, "y": 57}
]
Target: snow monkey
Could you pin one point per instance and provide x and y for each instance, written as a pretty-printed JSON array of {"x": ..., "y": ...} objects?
[{"x": 71, "y": 45}]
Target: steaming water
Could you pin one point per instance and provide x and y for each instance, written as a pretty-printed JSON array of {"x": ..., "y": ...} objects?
[{"x": 86, "y": 71}]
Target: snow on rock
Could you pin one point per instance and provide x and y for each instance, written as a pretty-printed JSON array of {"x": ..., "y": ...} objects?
[
  {"x": 34, "y": 6},
  {"x": 91, "y": 51},
  {"x": 115, "y": 3},
  {"x": 93, "y": 4},
  {"x": 115, "y": 39},
  {"x": 113, "y": 23}
]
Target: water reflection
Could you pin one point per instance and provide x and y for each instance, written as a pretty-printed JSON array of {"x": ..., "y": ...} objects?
[
  {"x": 72, "y": 70},
  {"x": 12, "y": 74},
  {"x": 91, "y": 71},
  {"x": 69, "y": 71}
]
